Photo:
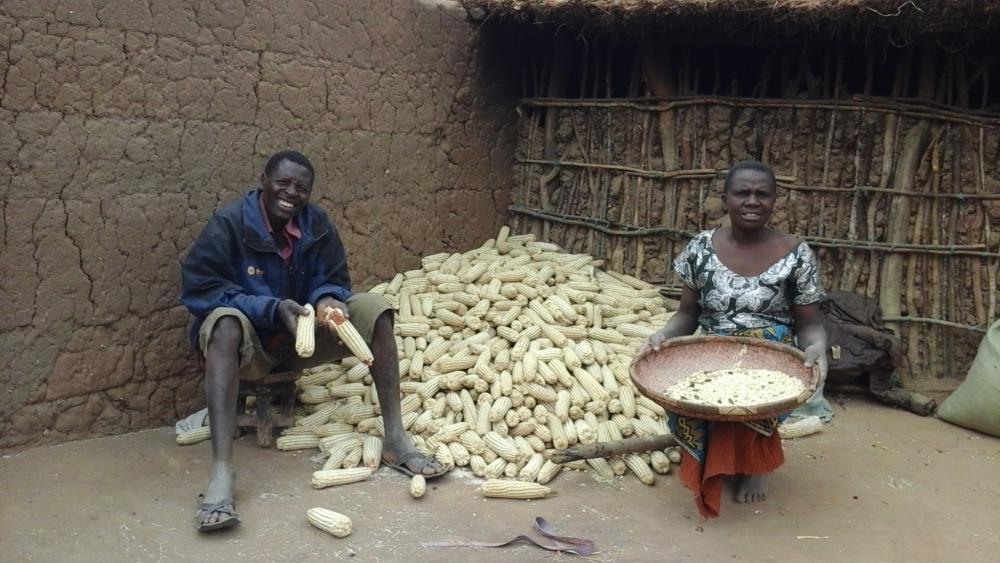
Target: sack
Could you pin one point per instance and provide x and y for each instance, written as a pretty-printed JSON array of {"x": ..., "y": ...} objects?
[{"x": 976, "y": 402}]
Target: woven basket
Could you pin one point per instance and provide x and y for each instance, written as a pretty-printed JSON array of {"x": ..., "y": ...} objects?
[{"x": 655, "y": 371}]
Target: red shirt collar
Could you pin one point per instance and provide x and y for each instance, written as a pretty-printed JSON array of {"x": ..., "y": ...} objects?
[{"x": 291, "y": 230}]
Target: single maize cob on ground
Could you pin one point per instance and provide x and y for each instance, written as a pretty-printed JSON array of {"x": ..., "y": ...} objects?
[
  {"x": 418, "y": 486},
  {"x": 297, "y": 442},
  {"x": 640, "y": 468},
  {"x": 806, "y": 426},
  {"x": 499, "y": 488},
  {"x": 329, "y": 521},
  {"x": 660, "y": 462},
  {"x": 194, "y": 436},
  {"x": 333, "y": 477},
  {"x": 305, "y": 333},
  {"x": 350, "y": 336}
]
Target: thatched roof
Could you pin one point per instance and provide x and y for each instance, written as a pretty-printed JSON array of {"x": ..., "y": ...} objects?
[{"x": 907, "y": 17}]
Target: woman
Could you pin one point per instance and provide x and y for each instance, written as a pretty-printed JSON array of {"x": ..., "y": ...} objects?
[{"x": 746, "y": 279}]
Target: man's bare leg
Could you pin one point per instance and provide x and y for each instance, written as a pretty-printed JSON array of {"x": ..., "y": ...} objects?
[
  {"x": 752, "y": 488},
  {"x": 385, "y": 373},
  {"x": 222, "y": 382}
]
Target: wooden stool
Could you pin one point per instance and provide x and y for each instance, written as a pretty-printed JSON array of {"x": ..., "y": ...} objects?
[{"x": 275, "y": 389}]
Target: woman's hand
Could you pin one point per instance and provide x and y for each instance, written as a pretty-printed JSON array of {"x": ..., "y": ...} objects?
[
  {"x": 656, "y": 339},
  {"x": 683, "y": 322},
  {"x": 812, "y": 337},
  {"x": 288, "y": 313},
  {"x": 816, "y": 354}
]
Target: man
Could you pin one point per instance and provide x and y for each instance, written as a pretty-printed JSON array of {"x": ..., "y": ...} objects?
[{"x": 246, "y": 279}]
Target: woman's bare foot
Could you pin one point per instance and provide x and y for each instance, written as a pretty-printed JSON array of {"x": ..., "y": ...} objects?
[{"x": 752, "y": 488}]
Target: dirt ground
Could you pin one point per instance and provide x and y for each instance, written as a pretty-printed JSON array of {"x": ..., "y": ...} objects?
[{"x": 877, "y": 485}]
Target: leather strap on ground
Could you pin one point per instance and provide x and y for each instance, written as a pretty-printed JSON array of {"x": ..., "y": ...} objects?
[{"x": 563, "y": 544}]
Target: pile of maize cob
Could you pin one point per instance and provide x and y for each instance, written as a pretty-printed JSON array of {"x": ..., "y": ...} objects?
[{"x": 504, "y": 351}]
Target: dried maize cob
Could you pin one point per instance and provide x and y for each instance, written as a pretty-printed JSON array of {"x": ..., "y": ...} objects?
[
  {"x": 298, "y": 430},
  {"x": 477, "y": 464},
  {"x": 353, "y": 457},
  {"x": 332, "y": 429},
  {"x": 451, "y": 432},
  {"x": 348, "y": 390},
  {"x": 501, "y": 446},
  {"x": 338, "y": 441},
  {"x": 356, "y": 373},
  {"x": 524, "y": 448},
  {"x": 329, "y": 521},
  {"x": 443, "y": 455},
  {"x": 372, "y": 451},
  {"x": 335, "y": 460},
  {"x": 472, "y": 442},
  {"x": 496, "y": 488},
  {"x": 595, "y": 390},
  {"x": 459, "y": 454},
  {"x": 530, "y": 470},
  {"x": 601, "y": 468},
  {"x": 634, "y": 330},
  {"x": 650, "y": 404},
  {"x": 412, "y": 329},
  {"x": 640, "y": 468},
  {"x": 523, "y": 429},
  {"x": 297, "y": 442},
  {"x": 499, "y": 408},
  {"x": 627, "y": 399},
  {"x": 334, "y": 477},
  {"x": 202, "y": 433},
  {"x": 349, "y": 335},
  {"x": 660, "y": 462},
  {"x": 495, "y": 468},
  {"x": 448, "y": 365},
  {"x": 418, "y": 486},
  {"x": 540, "y": 392},
  {"x": 305, "y": 333},
  {"x": 806, "y": 426},
  {"x": 548, "y": 472},
  {"x": 320, "y": 416},
  {"x": 320, "y": 377}
]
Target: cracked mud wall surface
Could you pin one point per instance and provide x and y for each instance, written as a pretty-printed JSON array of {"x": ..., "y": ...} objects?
[{"x": 126, "y": 123}]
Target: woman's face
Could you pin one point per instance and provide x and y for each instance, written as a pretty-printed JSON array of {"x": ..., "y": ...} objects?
[{"x": 750, "y": 199}]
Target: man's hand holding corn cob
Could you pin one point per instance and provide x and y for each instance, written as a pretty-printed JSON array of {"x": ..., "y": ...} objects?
[{"x": 326, "y": 303}]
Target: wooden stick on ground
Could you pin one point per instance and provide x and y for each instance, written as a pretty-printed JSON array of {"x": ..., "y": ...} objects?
[{"x": 608, "y": 449}]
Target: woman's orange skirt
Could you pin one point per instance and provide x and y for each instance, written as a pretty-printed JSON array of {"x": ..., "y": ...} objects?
[{"x": 733, "y": 449}]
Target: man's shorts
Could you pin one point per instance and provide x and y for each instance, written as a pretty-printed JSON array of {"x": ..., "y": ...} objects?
[{"x": 256, "y": 362}]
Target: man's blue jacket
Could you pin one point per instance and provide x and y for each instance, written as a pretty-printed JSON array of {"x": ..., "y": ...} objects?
[{"x": 235, "y": 263}]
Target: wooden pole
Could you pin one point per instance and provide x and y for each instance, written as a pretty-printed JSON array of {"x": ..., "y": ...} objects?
[
  {"x": 608, "y": 449},
  {"x": 914, "y": 145},
  {"x": 556, "y": 88},
  {"x": 661, "y": 83}
]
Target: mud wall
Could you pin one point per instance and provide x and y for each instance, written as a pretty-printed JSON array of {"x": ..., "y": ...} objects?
[{"x": 126, "y": 123}]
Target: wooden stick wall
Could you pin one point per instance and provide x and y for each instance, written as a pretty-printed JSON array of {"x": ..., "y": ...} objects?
[{"x": 899, "y": 196}]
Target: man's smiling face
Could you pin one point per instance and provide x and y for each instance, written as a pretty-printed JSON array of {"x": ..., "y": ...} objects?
[{"x": 285, "y": 191}]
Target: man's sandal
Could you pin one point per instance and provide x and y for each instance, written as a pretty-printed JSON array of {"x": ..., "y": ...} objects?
[
  {"x": 224, "y": 507},
  {"x": 400, "y": 464}
]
